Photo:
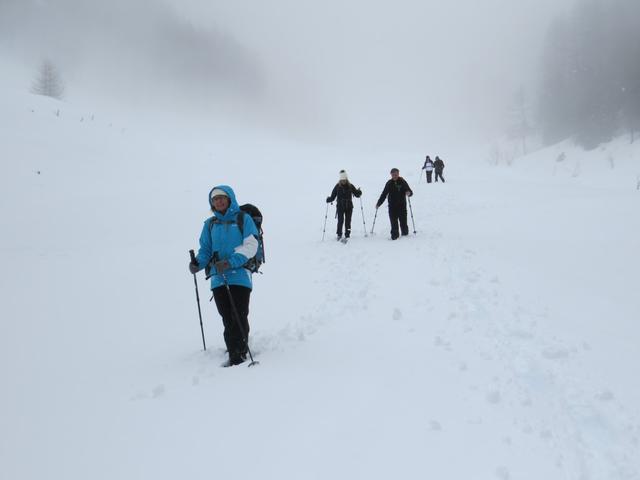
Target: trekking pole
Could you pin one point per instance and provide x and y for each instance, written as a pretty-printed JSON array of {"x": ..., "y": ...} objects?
[
  {"x": 195, "y": 281},
  {"x": 325, "y": 221},
  {"x": 363, "y": 224},
  {"x": 411, "y": 210},
  {"x": 420, "y": 179},
  {"x": 236, "y": 316},
  {"x": 374, "y": 221}
]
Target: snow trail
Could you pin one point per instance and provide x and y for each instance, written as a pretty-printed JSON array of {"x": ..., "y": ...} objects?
[{"x": 481, "y": 336}]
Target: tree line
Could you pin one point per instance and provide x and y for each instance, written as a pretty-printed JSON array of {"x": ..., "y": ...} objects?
[{"x": 590, "y": 85}]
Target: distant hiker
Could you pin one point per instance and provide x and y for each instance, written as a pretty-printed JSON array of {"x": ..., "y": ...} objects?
[
  {"x": 396, "y": 189},
  {"x": 343, "y": 191},
  {"x": 439, "y": 166},
  {"x": 225, "y": 248},
  {"x": 428, "y": 168}
]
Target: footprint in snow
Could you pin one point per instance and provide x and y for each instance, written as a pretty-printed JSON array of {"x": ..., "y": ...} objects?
[
  {"x": 503, "y": 473},
  {"x": 435, "y": 426},
  {"x": 546, "y": 435},
  {"x": 158, "y": 391},
  {"x": 555, "y": 353},
  {"x": 521, "y": 334},
  {"x": 494, "y": 397},
  {"x": 605, "y": 396}
]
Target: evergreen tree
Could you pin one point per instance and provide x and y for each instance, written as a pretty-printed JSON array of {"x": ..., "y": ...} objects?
[
  {"x": 48, "y": 81},
  {"x": 590, "y": 73}
]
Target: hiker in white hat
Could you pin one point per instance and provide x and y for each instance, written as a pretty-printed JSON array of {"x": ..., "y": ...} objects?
[{"x": 343, "y": 192}]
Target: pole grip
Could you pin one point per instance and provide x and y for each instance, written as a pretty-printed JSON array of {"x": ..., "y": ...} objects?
[{"x": 193, "y": 256}]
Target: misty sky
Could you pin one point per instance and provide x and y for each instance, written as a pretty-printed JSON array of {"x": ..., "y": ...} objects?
[
  {"x": 406, "y": 71},
  {"x": 396, "y": 66}
]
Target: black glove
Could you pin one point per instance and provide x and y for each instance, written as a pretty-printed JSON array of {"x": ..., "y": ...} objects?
[
  {"x": 222, "y": 265},
  {"x": 194, "y": 267},
  {"x": 328, "y": 199},
  {"x": 358, "y": 193}
]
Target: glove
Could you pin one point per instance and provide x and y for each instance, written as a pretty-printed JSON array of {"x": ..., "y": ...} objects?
[
  {"x": 328, "y": 199},
  {"x": 359, "y": 192},
  {"x": 194, "y": 267},
  {"x": 222, "y": 265},
  {"x": 409, "y": 194}
]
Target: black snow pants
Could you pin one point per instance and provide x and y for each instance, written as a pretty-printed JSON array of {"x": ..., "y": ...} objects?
[
  {"x": 344, "y": 216},
  {"x": 234, "y": 339},
  {"x": 398, "y": 215},
  {"x": 429, "y": 175},
  {"x": 439, "y": 174}
]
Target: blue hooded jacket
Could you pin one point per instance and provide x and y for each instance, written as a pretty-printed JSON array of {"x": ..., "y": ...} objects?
[{"x": 224, "y": 238}]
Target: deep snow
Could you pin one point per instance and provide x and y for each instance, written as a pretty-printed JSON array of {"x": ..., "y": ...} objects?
[{"x": 498, "y": 342}]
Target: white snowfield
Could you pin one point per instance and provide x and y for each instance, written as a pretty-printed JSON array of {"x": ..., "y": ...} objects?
[{"x": 500, "y": 342}]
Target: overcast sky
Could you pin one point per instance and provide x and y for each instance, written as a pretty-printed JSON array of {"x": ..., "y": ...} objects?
[
  {"x": 401, "y": 66},
  {"x": 403, "y": 70}
]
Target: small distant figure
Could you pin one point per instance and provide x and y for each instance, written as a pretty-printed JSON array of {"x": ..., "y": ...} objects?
[
  {"x": 439, "y": 166},
  {"x": 428, "y": 168},
  {"x": 343, "y": 191},
  {"x": 396, "y": 192},
  {"x": 561, "y": 157}
]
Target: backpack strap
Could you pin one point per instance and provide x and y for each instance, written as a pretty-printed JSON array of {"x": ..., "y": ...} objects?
[{"x": 239, "y": 222}]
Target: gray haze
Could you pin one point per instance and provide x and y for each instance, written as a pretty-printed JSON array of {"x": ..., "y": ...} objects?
[{"x": 384, "y": 73}]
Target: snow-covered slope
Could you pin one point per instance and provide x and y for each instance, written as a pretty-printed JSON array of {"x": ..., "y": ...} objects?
[
  {"x": 615, "y": 164},
  {"x": 498, "y": 342}
]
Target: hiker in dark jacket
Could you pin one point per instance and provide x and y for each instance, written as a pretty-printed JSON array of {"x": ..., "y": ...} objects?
[
  {"x": 396, "y": 192},
  {"x": 428, "y": 168},
  {"x": 439, "y": 166},
  {"x": 225, "y": 248},
  {"x": 343, "y": 191}
]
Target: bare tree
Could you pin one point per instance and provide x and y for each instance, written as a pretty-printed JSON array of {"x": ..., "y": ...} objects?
[
  {"x": 48, "y": 81},
  {"x": 519, "y": 126}
]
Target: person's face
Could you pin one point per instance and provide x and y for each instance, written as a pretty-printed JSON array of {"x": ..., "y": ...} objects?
[
  {"x": 221, "y": 203},
  {"x": 395, "y": 175},
  {"x": 343, "y": 182}
]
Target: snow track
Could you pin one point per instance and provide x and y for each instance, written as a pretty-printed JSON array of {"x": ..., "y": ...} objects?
[{"x": 494, "y": 344}]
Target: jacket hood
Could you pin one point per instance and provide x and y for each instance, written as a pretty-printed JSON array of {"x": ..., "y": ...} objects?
[{"x": 233, "y": 205}]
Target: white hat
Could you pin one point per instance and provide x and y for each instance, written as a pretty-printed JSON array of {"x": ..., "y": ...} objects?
[
  {"x": 217, "y": 192},
  {"x": 343, "y": 175}
]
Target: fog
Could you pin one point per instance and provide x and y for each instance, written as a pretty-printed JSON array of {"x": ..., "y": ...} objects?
[{"x": 378, "y": 73}]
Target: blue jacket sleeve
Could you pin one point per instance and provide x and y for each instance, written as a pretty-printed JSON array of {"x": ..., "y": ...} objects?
[{"x": 205, "y": 253}]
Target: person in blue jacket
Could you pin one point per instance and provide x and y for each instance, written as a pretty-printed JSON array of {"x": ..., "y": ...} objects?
[{"x": 228, "y": 240}]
